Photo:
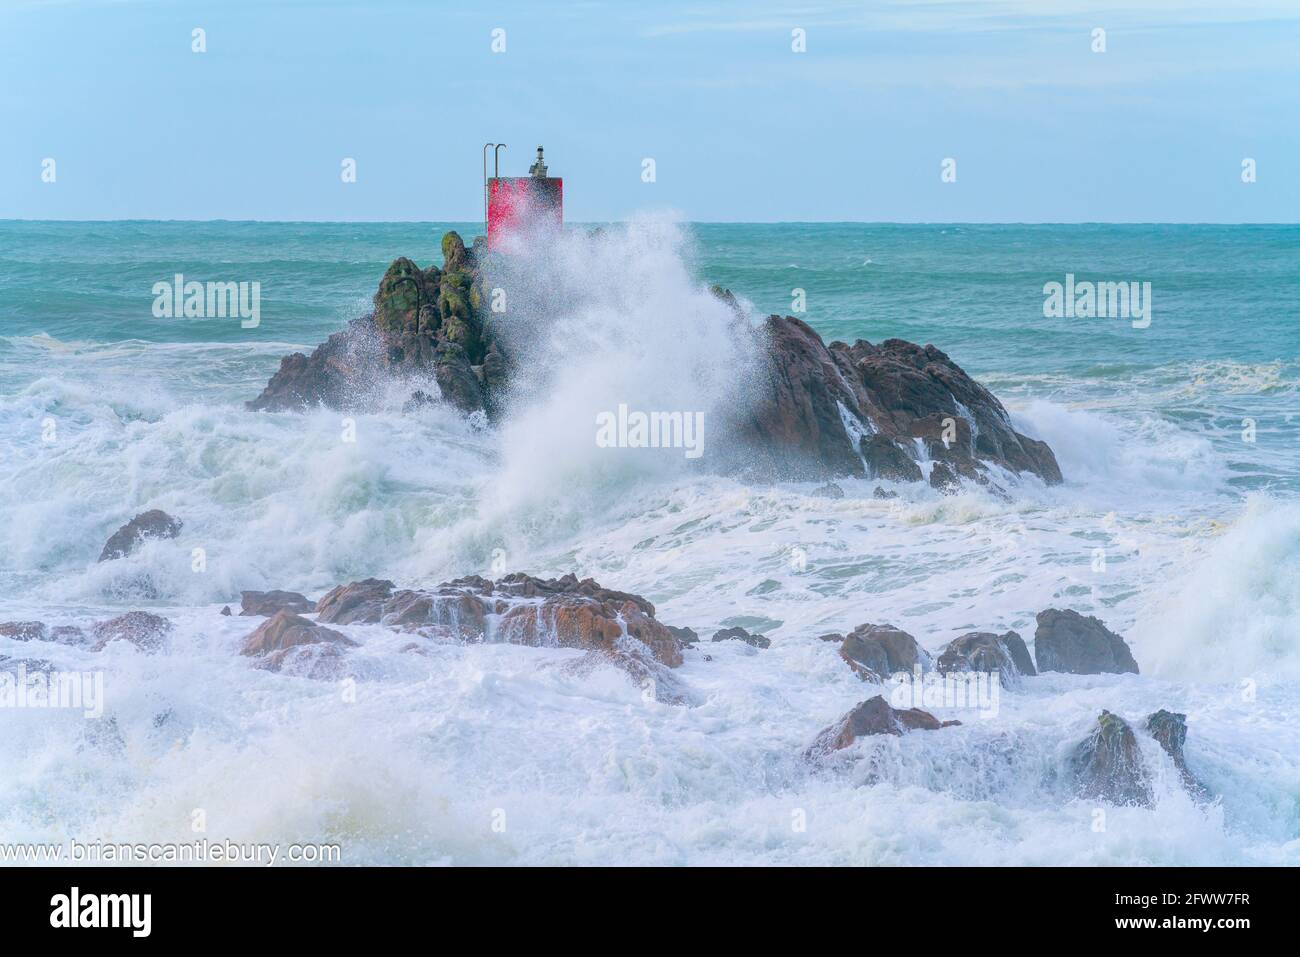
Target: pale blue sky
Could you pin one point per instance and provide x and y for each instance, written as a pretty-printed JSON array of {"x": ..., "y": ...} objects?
[{"x": 741, "y": 128}]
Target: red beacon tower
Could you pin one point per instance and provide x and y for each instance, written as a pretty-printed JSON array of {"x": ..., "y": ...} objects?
[{"x": 516, "y": 203}]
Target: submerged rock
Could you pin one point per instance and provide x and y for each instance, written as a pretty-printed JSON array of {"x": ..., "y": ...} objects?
[
  {"x": 1067, "y": 641},
  {"x": 875, "y": 652},
  {"x": 1108, "y": 766},
  {"x": 656, "y": 681},
  {"x": 145, "y": 630},
  {"x": 267, "y": 603},
  {"x": 740, "y": 634},
  {"x": 987, "y": 652},
  {"x": 827, "y": 411},
  {"x": 23, "y": 630},
  {"x": 873, "y": 716},
  {"x": 152, "y": 524},
  {"x": 1169, "y": 728}
]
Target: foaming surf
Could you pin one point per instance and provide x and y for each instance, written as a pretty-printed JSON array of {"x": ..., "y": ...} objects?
[{"x": 1150, "y": 532}]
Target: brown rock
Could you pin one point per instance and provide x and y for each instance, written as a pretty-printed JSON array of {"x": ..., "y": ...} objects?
[
  {"x": 267, "y": 603},
  {"x": 145, "y": 630},
  {"x": 280, "y": 640},
  {"x": 986, "y": 652},
  {"x": 361, "y": 601},
  {"x": 23, "y": 630},
  {"x": 875, "y": 652},
  {"x": 873, "y": 716}
]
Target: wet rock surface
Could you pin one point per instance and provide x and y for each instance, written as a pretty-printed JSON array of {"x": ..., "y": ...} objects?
[
  {"x": 740, "y": 634},
  {"x": 878, "y": 410},
  {"x": 875, "y": 652},
  {"x": 428, "y": 328},
  {"x": 145, "y": 630},
  {"x": 1169, "y": 728},
  {"x": 267, "y": 603},
  {"x": 153, "y": 524},
  {"x": 1108, "y": 766},
  {"x": 283, "y": 639},
  {"x": 873, "y": 716},
  {"x": 1068, "y": 641},
  {"x": 819, "y": 411},
  {"x": 987, "y": 652},
  {"x": 519, "y": 609}
]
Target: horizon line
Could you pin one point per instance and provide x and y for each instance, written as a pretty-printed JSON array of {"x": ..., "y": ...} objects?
[{"x": 690, "y": 222}]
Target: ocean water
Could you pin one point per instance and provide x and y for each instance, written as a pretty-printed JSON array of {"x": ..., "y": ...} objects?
[{"x": 1178, "y": 525}]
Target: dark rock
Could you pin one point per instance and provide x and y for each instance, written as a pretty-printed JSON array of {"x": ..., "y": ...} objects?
[
  {"x": 686, "y": 636},
  {"x": 875, "y": 652},
  {"x": 983, "y": 651},
  {"x": 829, "y": 490},
  {"x": 894, "y": 394},
  {"x": 427, "y": 326},
  {"x": 1170, "y": 729},
  {"x": 267, "y": 603},
  {"x": 154, "y": 523},
  {"x": 943, "y": 479},
  {"x": 23, "y": 630},
  {"x": 226, "y": 611},
  {"x": 1108, "y": 765},
  {"x": 880, "y": 493},
  {"x": 1067, "y": 641},
  {"x": 873, "y": 716},
  {"x": 581, "y": 614},
  {"x": 145, "y": 630},
  {"x": 888, "y": 460},
  {"x": 740, "y": 634}
]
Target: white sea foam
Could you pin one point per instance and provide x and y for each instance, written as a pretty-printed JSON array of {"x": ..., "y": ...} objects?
[{"x": 436, "y": 747}]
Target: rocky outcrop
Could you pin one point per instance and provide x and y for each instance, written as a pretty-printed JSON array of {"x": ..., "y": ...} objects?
[
  {"x": 889, "y": 411},
  {"x": 895, "y": 411},
  {"x": 1107, "y": 765},
  {"x": 359, "y": 601},
  {"x": 740, "y": 634},
  {"x": 428, "y": 326},
  {"x": 1067, "y": 641},
  {"x": 519, "y": 609},
  {"x": 152, "y": 524},
  {"x": 1170, "y": 729},
  {"x": 291, "y": 643},
  {"x": 23, "y": 630},
  {"x": 875, "y": 652},
  {"x": 873, "y": 716},
  {"x": 267, "y": 603},
  {"x": 145, "y": 630},
  {"x": 983, "y": 651}
]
